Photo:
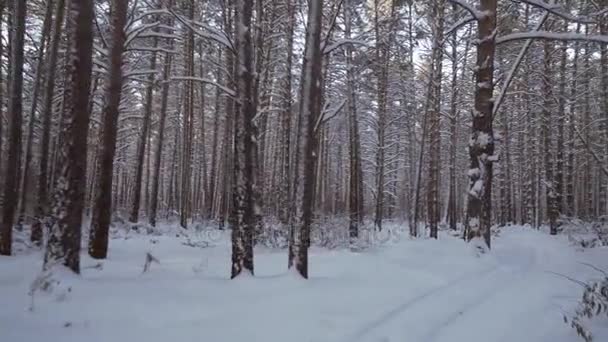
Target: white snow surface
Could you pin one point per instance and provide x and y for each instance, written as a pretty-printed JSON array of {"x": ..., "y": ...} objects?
[{"x": 403, "y": 290}]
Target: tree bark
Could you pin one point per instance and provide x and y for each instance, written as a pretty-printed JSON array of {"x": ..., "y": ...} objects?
[
  {"x": 15, "y": 111},
  {"x": 243, "y": 216},
  {"x": 481, "y": 142},
  {"x": 309, "y": 111},
  {"x": 64, "y": 240},
  {"x": 102, "y": 208}
]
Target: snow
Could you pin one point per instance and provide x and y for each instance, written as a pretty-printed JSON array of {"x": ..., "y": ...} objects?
[{"x": 402, "y": 290}]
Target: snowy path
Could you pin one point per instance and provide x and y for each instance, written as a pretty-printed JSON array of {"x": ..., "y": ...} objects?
[{"x": 419, "y": 291}]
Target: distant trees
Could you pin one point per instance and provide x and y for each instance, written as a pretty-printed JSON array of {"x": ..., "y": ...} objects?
[{"x": 191, "y": 113}]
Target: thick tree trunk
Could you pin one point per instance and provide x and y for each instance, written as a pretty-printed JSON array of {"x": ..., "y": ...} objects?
[
  {"x": 102, "y": 208},
  {"x": 15, "y": 111},
  {"x": 309, "y": 111},
  {"x": 481, "y": 143},
  {"x": 64, "y": 240},
  {"x": 243, "y": 216}
]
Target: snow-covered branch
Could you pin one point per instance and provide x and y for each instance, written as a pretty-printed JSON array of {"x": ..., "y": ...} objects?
[
  {"x": 335, "y": 45},
  {"x": 225, "y": 89},
  {"x": 557, "y": 10},
  {"x": 468, "y": 7},
  {"x": 551, "y": 35}
]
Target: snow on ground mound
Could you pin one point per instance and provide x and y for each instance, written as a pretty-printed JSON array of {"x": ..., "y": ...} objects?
[{"x": 409, "y": 290}]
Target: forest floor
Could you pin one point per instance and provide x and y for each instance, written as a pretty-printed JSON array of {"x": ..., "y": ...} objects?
[{"x": 399, "y": 291}]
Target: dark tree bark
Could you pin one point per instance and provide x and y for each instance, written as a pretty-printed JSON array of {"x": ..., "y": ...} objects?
[
  {"x": 64, "y": 240},
  {"x": 481, "y": 143},
  {"x": 15, "y": 111},
  {"x": 434, "y": 118},
  {"x": 550, "y": 184},
  {"x": 102, "y": 208},
  {"x": 243, "y": 216},
  {"x": 188, "y": 125},
  {"x": 355, "y": 192},
  {"x": 161, "y": 130},
  {"x": 310, "y": 109}
]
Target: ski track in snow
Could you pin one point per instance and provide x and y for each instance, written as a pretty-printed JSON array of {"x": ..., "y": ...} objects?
[{"x": 464, "y": 290}]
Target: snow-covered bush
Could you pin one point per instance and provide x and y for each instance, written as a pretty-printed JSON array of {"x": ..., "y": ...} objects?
[
  {"x": 594, "y": 303},
  {"x": 586, "y": 234}
]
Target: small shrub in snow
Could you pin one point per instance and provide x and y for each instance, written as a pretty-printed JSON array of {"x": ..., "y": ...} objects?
[
  {"x": 149, "y": 260},
  {"x": 593, "y": 303},
  {"x": 55, "y": 280}
]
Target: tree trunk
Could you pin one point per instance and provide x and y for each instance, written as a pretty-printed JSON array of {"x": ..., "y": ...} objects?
[
  {"x": 64, "y": 240},
  {"x": 355, "y": 194},
  {"x": 15, "y": 111},
  {"x": 143, "y": 138},
  {"x": 243, "y": 216},
  {"x": 188, "y": 125},
  {"x": 161, "y": 130},
  {"x": 434, "y": 118},
  {"x": 286, "y": 211},
  {"x": 102, "y": 208},
  {"x": 309, "y": 111},
  {"x": 481, "y": 143}
]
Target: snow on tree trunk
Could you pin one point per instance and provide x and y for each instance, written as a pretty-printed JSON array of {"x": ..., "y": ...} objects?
[
  {"x": 68, "y": 191},
  {"x": 244, "y": 212},
  {"x": 481, "y": 143}
]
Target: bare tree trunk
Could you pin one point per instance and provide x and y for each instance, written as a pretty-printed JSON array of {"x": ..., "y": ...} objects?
[
  {"x": 603, "y": 23},
  {"x": 286, "y": 213},
  {"x": 434, "y": 118},
  {"x": 143, "y": 138},
  {"x": 572, "y": 105},
  {"x": 481, "y": 143},
  {"x": 15, "y": 111},
  {"x": 2, "y": 10},
  {"x": 244, "y": 188},
  {"x": 310, "y": 109},
  {"x": 64, "y": 240},
  {"x": 161, "y": 131},
  {"x": 552, "y": 210},
  {"x": 212, "y": 189},
  {"x": 188, "y": 123},
  {"x": 383, "y": 46},
  {"x": 355, "y": 179},
  {"x": 102, "y": 208}
]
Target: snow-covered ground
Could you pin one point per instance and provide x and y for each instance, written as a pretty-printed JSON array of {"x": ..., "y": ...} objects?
[{"x": 404, "y": 290}]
